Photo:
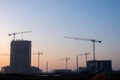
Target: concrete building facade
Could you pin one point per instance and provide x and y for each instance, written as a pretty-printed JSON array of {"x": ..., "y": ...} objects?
[{"x": 20, "y": 56}]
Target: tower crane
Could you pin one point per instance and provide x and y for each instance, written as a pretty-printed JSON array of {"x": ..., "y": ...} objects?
[
  {"x": 81, "y": 55},
  {"x": 18, "y": 33},
  {"x": 92, "y": 40},
  {"x": 85, "y": 56},
  {"x": 66, "y": 60},
  {"x": 38, "y": 57}
]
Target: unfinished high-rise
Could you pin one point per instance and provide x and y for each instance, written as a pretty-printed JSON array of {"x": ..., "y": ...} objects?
[{"x": 20, "y": 56}]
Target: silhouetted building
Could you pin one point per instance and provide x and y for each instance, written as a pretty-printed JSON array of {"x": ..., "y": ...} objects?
[
  {"x": 80, "y": 69},
  {"x": 99, "y": 65},
  {"x": 62, "y": 71},
  {"x": 35, "y": 70},
  {"x": 20, "y": 56},
  {"x": 6, "y": 69}
]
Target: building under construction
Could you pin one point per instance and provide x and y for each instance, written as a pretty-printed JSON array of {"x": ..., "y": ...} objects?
[
  {"x": 99, "y": 65},
  {"x": 20, "y": 56}
]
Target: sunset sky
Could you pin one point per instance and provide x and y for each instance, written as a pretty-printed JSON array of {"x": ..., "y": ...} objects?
[{"x": 51, "y": 20}]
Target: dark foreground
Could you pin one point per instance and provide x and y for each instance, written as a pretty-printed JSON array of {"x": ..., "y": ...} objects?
[{"x": 62, "y": 76}]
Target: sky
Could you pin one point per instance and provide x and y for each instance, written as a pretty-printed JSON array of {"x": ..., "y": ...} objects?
[{"x": 51, "y": 20}]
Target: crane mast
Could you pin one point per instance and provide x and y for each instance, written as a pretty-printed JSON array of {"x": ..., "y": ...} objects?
[
  {"x": 92, "y": 40},
  {"x": 18, "y": 33}
]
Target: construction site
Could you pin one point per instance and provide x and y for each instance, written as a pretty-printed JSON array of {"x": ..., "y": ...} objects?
[
  {"x": 20, "y": 64},
  {"x": 59, "y": 40}
]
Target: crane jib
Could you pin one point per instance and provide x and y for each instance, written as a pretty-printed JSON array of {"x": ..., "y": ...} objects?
[{"x": 18, "y": 33}]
